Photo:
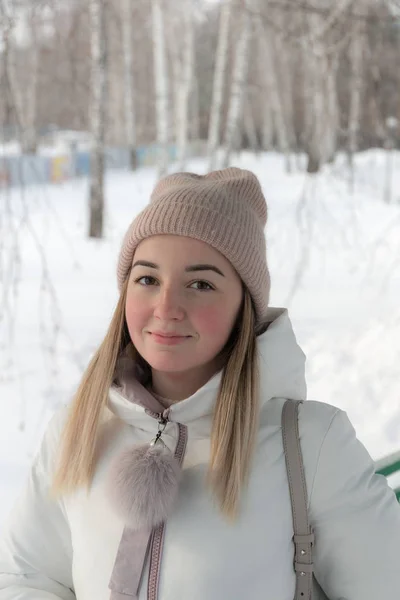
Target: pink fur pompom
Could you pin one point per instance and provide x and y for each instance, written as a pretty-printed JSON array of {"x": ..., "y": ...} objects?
[{"x": 143, "y": 483}]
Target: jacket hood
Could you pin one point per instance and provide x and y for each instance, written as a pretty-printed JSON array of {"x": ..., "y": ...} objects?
[{"x": 282, "y": 375}]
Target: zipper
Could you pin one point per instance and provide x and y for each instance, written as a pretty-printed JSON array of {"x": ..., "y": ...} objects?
[{"x": 158, "y": 534}]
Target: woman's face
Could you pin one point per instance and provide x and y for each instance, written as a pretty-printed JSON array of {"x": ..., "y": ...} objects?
[{"x": 182, "y": 302}]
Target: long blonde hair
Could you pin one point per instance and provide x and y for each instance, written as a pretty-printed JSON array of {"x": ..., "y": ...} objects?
[{"x": 235, "y": 420}]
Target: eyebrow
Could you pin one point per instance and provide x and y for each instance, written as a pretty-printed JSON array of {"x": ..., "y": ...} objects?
[{"x": 189, "y": 269}]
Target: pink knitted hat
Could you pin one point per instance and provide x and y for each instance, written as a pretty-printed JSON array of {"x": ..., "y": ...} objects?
[{"x": 225, "y": 209}]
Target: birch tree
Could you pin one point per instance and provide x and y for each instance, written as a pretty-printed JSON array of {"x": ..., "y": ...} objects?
[
  {"x": 239, "y": 79},
  {"x": 319, "y": 91},
  {"x": 185, "y": 86},
  {"x": 273, "y": 89},
  {"x": 284, "y": 74},
  {"x": 219, "y": 82},
  {"x": 182, "y": 55},
  {"x": 332, "y": 118},
  {"x": 194, "y": 106},
  {"x": 267, "y": 127},
  {"x": 14, "y": 99},
  {"x": 30, "y": 125},
  {"x": 316, "y": 104},
  {"x": 161, "y": 85},
  {"x": 356, "y": 52},
  {"x": 315, "y": 108},
  {"x": 249, "y": 124},
  {"x": 130, "y": 125},
  {"x": 97, "y": 116},
  {"x": 23, "y": 97}
]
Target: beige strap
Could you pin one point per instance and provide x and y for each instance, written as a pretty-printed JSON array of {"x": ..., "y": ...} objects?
[{"x": 303, "y": 537}]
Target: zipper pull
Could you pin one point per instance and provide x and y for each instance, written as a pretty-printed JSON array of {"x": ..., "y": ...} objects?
[{"x": 162, "y": 423}]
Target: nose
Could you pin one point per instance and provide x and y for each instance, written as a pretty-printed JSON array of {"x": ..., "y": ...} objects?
[{"x": 169, "y": 305}]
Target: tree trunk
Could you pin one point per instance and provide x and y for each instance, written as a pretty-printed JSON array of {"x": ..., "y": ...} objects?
[
  {"x": 130, "y": 125},
  {"x": 194, "y": 105},
  {"x": 161, "y": 85},
  {"x": 284, "y": 76},
  {"x": 315, "y": 103},
  {"x": 97, "y": 116},
  {"x": 356, "y": 90},
  {"x": 267, "y": 133},
  {"x": 316, "y": 114},
  {"x": 250, "y": 127},
  {"x": 321, "y": 61},
  {"x": 173, "y": 36},
  {"x": 239, "y": 80},
  {"x": 218, "y": 84},
  {"x": 22, "y": 116},
  {"x": 31, "y": 133},
  {"x": 184, "y": 84},
  {"x": 275, "y": 94},
  {"x": 332, "y": 120}
]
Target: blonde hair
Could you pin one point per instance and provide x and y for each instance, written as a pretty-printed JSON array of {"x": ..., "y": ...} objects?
[
  {"x": 235, "y": 420},
  {"x": 235, "y": 423}
]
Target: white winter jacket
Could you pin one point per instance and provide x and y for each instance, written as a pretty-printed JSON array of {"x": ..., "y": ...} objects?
[{"x": 67, "y": 549}]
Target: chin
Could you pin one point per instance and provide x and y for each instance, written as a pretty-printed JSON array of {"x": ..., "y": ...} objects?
[{"x": 168, "y": 364}]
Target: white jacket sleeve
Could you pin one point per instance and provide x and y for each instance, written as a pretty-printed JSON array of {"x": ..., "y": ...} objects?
[
  {"x": 35, "y": 545},
  {"x": 356, "y": 519}
]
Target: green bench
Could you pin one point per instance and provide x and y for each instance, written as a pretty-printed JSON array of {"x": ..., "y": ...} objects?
[{"x": 387, "y": 466}]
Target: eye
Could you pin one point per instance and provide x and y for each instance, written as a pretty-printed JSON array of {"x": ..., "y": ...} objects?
[
  {"x": 145, "y": 281},
  {"x": 202, "y": 286}
]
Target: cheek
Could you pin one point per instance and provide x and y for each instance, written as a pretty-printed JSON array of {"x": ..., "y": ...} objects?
[
  {"x": 136, "y": 314},
  {"x": 214, "y": 321}
]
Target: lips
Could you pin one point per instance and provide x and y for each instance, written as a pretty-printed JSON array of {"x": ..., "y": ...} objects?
[
  {"x": 168, "y": 335},
  {"x": 168, "y": 339}
]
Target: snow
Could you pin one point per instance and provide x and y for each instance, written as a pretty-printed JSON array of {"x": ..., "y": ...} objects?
[
  {"x": 10, "y": 149},
  {"x": 53, "y": 144},
  {"x": 334, "y": 259}
]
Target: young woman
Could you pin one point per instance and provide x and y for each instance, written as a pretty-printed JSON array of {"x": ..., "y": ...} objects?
[{"x": 166, "y": 478}]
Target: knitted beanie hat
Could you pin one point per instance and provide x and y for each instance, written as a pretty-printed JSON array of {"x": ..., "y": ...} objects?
[{"x": 225, "y": 209}]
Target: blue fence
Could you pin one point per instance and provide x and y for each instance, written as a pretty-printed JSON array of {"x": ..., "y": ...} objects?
[{"x": 21, "y": 170}]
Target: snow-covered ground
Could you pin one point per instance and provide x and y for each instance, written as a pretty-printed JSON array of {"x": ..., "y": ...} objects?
[{"x": 334, "y": 259}]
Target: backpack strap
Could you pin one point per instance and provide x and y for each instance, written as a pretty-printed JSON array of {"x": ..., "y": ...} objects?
[{"x": 303, "y": 536}]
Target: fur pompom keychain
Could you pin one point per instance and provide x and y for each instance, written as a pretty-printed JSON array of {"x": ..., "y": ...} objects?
[{"x": 143, "y": 483}]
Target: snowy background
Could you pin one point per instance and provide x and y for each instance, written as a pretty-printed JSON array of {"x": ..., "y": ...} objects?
[{"x": 334, "y": 258}]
